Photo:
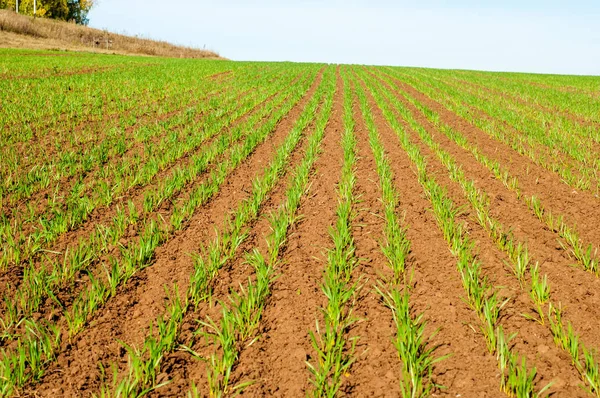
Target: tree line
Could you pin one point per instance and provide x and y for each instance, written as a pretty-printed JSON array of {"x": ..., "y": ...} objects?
[{"x": 65, "y": 10}]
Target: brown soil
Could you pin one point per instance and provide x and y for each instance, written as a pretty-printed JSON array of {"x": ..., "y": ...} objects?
[
  {"x": 103, "y": 215},
  {"x": 220, "y": 76},
  {"x": 40, "y": 197},
  {"x": 561, "y": 117},
  {"x": 48, "y": 136},
  {"x": 127, "y": 317},
  {"x": 66, "y": 294},
  {"x": 276, "y": 360},
  {"x": 180, "y": 366},
  {"x": 47, "y": 130},
  {"x": 533, "y": 340},
  {"x": 136, "y": 149},
  {"x": 550, "y": 155},
  {"x": 543, "y": 244}
]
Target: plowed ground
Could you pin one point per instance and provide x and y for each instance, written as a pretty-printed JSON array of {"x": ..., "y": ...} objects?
[{"x": 274, "y": 360}]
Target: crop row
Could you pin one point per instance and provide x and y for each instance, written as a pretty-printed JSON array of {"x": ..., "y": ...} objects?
[
  {"x": 483, "y": 297},
  {"x": 131, "y": 172},
  {"x": 138, "y": 253},
  {"x": 241, "y": 311},
  {"x": 578, "y": 172},
  {"x": 410, "y": 341}
]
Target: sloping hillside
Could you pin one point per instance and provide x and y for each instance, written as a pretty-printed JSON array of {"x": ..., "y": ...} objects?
[{"x": 38, "y": 33}]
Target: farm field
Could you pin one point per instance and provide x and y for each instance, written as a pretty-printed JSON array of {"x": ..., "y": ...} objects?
[{"x": 175, "y": 228}]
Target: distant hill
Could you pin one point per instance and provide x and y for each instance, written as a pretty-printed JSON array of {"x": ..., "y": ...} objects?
[{"x": 22, "y": 31}]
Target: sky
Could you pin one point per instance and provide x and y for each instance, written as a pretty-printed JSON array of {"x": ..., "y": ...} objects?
[{"x": 551, "y": 36}]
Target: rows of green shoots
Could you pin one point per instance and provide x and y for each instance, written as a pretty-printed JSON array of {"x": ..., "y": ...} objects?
[
  {"x": 522, "y": 265},
  {"x": 585, "y": 254},
  {"x": 412, "y": 344},
  {"x": 37, "y": 347},
  {"x": 574, "y": 173},
  {"x": 28, "y": 235},
  {"x": 516, "y": 378},
  {"x": 333, "y": 350}
]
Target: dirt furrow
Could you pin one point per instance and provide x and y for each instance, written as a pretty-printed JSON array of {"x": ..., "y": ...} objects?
[
  {"x": 145, "y": 118},
  {"x": 580, "y": 208},
  {"x": 560, "y": 117},
  {"x": 276, "y": 361},
  {"x": 534, "y": 340},
  {"x": 127, "y": 316},
  {"x": 97, "y": 215},
  {"x": 577, "y": 290}
]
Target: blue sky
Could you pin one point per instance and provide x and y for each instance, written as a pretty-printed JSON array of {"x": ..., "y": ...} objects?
[{"x": 527, "y": 35}]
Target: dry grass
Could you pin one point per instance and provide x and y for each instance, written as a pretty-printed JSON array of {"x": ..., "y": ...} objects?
[{"x": 40, "y": 33}]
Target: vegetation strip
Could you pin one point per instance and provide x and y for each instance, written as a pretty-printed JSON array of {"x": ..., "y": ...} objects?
[
  {"x": 334, "y": 353},
  {"x": 410, "y": 340},
  {"x": 57, "y": 167},
  {"x": 517, "y": 379},
  {"x": 241, "y": 313},
  {"x": 518, "y": 254},
  {"x": 38, "y": 344}
]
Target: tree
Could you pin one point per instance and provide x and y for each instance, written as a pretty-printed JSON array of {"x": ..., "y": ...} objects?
[
  {"x": 56, "y": 9},
  {"x": 78, "y": 10},
  {"x": 65, "y": 10}
]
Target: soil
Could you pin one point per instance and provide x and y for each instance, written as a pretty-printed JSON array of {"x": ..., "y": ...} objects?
[
  {"x": 126, "y": 317},
  {"x": 274, "y": 361},
  {"x": 103, "y": 215}
]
